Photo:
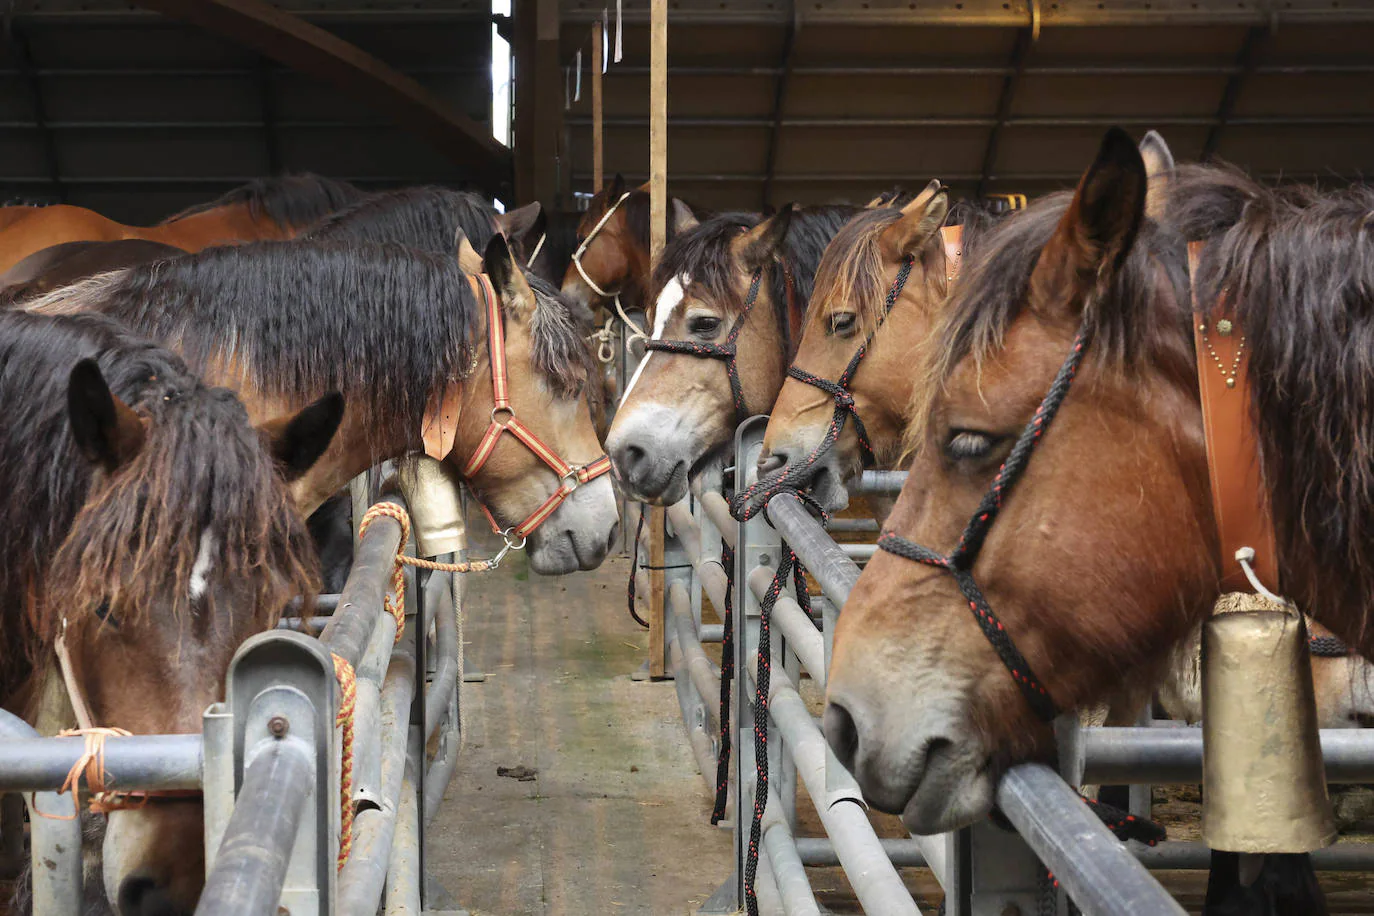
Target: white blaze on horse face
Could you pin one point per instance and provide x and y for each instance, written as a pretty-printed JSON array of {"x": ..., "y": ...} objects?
[
  {"x": 668, "y": 301},
  {"x": 205, "y": 559}
]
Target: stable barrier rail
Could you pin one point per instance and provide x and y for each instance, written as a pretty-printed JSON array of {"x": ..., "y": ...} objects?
[
  {"x": 268, "y": 761},
  {"x": 983, "y": 870}
]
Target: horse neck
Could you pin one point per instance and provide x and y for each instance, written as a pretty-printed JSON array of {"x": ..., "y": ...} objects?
[{"x": 217, "y": 226}]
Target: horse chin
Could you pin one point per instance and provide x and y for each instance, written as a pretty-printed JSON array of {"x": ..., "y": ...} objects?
[
  {"x": 153, "y": 859},
  {"x": 827, "y": 488},
  {"x": 956, "y": 790},
  {"x": 579, "y": 534}
]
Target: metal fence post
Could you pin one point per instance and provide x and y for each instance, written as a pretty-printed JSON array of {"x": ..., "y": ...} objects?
[
  {"x": 54, "y": 845},
  {"x": 282, "y": 675}
]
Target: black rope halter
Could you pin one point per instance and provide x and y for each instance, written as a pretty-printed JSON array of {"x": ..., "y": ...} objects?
[
  {"x": 726, "y": 352},
  {"x": 749, "y": 502},
  {"x": 960, "y": 563}
]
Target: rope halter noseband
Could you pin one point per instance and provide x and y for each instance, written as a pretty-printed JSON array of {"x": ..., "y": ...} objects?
[
  {"x": 504, "y": 420},
  {"x": 960, "y": 563}
]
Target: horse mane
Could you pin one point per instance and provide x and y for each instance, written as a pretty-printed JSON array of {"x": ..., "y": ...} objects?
[
  {"x": 808, "y": 235},
  {"x": 704, "y": 254},
  {"x": 384, "y": 324},
  {"x": 1297, "y": 265},
  {"x": 71, "y": 546},
  {"x": 290, "y": 201},
  {"x": 428, "y": 218},
  {"x": 560, "y": 241},
  {"x": 854, "y": 270}
]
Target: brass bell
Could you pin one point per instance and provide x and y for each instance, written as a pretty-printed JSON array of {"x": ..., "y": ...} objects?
[
  {"x": 1264, "y": 786},
  {"x": 436, "y": 509}
]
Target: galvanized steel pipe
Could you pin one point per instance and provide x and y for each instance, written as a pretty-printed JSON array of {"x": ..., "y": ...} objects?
[
  {"x": 886, "y": 482},
  {"x": 251, "y": 866},
  {"x": 718, "y": 511},
  {"x": 823, "y": 558},
  {"x": 54, "y": 845},
  {"x": 1159, "y": 756},
  {"x": 802, "y": 636},
  {"x": 704, "y": 677},
  {"x": 788, "y": 871},
  {"x": 360, "y": 603},
  {"x": 1095, "y": 868},
  {"x": 135, "y": 762},
  {"x": 439, "y": 596}
]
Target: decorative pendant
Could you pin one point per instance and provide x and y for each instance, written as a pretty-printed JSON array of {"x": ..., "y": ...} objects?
[{"x": 1224, "y": 327}]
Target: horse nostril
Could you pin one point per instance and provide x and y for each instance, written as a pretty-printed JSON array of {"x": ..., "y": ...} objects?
[
  {"x": 842, "y": 733},
  {"x": 631, "y": 456},
  {"x": 769, "y": 462}
]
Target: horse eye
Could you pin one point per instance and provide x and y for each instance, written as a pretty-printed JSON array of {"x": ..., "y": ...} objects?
[
  {"x": 705, "y": 325},
  {"x": 843, "y": 324},
  {"x": 966, "y": 445}
]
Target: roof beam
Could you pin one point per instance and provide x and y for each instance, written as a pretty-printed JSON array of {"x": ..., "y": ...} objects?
[
  {"x": 1246, "y": 62},
  {"x": 789, "y": 55},
  {"x": 1019, "y": 49},
  {"x": 292, "y": 41}
]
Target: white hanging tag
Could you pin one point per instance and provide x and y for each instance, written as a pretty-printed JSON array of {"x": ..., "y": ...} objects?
[
  {"x": 619, "y": 28},
  {"x": 605, "y": 48},
  {"x": 577, "y": 80},
  {"x": 567, "y": 88}
]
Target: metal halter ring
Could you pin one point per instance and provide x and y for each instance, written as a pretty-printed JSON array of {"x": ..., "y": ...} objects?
[
  {"x": 511, "y": 544},
  {"x": 571, "y": 478},
  {"x": 509, "y": 410}
]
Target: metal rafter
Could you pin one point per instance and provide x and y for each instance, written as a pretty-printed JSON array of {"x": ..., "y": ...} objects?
[
  {"x": 1017, "y": 65},
  {"x": 1246, "y": 62},
  {"x": 788, "y": 57}
]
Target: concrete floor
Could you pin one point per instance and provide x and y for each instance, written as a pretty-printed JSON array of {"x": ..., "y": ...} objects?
[{"x": 615, "y": 820}]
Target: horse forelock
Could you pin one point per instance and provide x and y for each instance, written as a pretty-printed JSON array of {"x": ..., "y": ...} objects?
[{"x": 706, "y": 254}]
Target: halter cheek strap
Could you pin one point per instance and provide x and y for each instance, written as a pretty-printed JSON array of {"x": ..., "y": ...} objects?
[
  {"x": 504, "y": 420},
  {"x": 748, "y": 502},
  {"x": 582, "y": 248},
  {"x": 726, "y": 352}
]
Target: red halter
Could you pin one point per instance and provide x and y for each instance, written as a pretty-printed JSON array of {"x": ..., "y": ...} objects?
[{"x": 570, "y": 476}]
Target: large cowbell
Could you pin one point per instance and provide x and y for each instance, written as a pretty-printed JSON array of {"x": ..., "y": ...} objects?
[
  {"x": 436, "y": 509},
  {"x": 1264, "y": 787}
]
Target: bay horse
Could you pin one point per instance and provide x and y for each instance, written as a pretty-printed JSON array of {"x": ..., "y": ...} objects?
[
  {"x": 611, "y": 260},
  {"x": 64, "y": 264},
  {"x": 405, "y": 335},
  {"x": 267, "y": 208},
  {"x": 149, "y": 530},
  {"x": 730, "y": 291},
  {"x": 1106, "y": 553}
]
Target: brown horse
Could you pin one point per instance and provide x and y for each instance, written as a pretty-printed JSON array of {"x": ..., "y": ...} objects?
[
  {"x": 611, "y": 260},
  {"x": 269, "y": 208},
  {"x": 60, "y": 265},
  {"x": 150, "y": 529},
  {"x": 403, "y": 334},
  {"x": 852, "y": 307},
  {"x": 735, "y": 284},
  {"x": 1105, "y": 554}
]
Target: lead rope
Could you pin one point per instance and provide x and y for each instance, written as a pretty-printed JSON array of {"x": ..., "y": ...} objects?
[
  {"x": 727, "y": 675},
  {"x": 762, "y": 683},
  {"x": 395, "y": 605},
  {"x": 634, "y": 568}
]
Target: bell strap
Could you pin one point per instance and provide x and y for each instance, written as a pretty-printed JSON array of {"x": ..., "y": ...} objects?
[{"x": 1239, "y": 499}]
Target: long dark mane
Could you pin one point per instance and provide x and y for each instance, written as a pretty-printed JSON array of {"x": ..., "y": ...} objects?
[
  {"x": 704, "y": 254},
  {"x": 853, "y": 268},
  {"x": 1298, "y": 264},
  {"x": 290, "y": 201},
  {"x": 427, "y": 218},
  {"x": 560, "y": 241},
  {"x": 384, "y": 324},
  {"x": 134, "y": 543}
]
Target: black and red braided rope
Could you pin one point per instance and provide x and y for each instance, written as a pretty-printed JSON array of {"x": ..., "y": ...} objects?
[
  {"x": 727, "y": 675},
  {"x": 751, "y": 500},
  {"x": 960, "y": 562}
]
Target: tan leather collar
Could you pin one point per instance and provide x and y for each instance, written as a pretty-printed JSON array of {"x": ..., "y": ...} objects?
[{"x": 1239, "y": 500}]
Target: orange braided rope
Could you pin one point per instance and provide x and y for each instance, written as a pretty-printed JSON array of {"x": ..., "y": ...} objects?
[
  {"x": 92, "y": 764},
  {"x": 348, "y": 689}
]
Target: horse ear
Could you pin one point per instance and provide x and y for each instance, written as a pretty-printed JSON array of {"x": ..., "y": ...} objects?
[
  {"x": 1105, "y": 214},
  {"x": 764, "y": 241},
  {"x": 106, "y": 429},
  {"x": 297, "y": 441},
  {"x": 682, "y": 218},
  {"x": 921, "y": 219},
  {"x": 1159, "y": 170},
  {"x": 521, "y": 222},
  {"x": 468, "y": 258},
  {"x": 499, "y": 265},
  {"x": 616, "y": 189}
]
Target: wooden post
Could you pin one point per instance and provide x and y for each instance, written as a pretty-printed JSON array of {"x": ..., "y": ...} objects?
[
  {"x": 658, "y": 235},
  {"x": 598, "y": 150},
  {"x": 538, "y": 101}
]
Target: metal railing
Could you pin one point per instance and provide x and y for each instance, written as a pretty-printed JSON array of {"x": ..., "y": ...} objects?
[
  {"x": 983, "y": 870},
  {"x": 268, "y": 759}
]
